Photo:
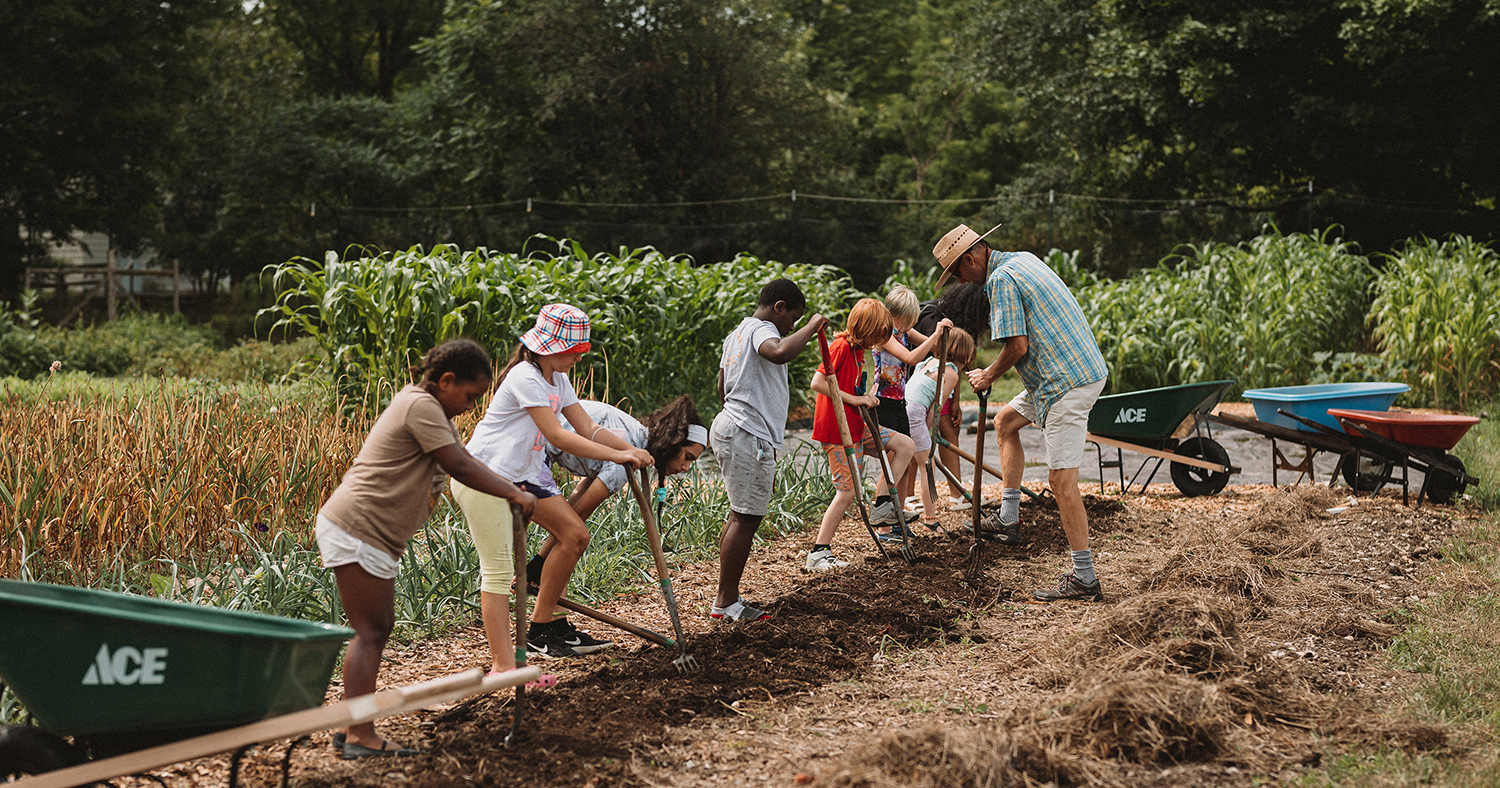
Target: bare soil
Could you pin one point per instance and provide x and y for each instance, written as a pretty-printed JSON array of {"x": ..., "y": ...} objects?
[{"x": 1242, "y": 637}]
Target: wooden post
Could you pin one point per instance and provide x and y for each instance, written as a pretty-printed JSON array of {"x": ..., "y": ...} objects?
[
  {"x": 109, "y": 283},
  {"x": 176, "y": 287}
]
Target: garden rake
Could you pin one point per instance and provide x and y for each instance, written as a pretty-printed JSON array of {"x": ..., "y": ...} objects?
[
  {"x": 974, "y": 566},
  {"x": 685, "y": 662},
  {"x": 843, "y": 421},
  {"x": 518, "y": 529}
]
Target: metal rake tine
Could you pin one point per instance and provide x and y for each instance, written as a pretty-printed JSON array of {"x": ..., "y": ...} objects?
[{"x": 687, "y": 664}]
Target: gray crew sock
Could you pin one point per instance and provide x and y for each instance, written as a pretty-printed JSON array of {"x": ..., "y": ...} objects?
[
  {"x": 1010, "y": 504},
  {"x": 1083, "y": 566}
]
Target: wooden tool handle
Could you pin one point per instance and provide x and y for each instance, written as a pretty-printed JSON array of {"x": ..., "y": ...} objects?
[{"x": 833, "y": 389}]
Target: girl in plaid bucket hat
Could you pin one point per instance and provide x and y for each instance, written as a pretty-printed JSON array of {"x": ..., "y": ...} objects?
[{"x": 522, "y": 420}]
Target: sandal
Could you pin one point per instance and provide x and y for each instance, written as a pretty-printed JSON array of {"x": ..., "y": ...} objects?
[
  {"x": 353, "y": 751},
  {"x": 932, "y": 524}
]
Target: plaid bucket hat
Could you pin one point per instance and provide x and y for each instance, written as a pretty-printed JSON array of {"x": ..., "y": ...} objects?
[{"x": 560, "y": 328}]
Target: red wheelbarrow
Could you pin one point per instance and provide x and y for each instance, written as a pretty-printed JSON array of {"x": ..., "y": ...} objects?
[{"x": 1397, "y": 438}]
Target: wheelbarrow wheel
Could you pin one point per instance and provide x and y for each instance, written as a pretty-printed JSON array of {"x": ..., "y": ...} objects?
[
  {"x": 27, "y": 750},
  {"x": 1193, "y": 481},
  {"x": 1442, "y": 486},
  {"x": 1372, "y": 473}
]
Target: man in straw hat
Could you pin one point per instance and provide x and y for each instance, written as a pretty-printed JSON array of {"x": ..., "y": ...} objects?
[{"x": 1049, "y": 343}]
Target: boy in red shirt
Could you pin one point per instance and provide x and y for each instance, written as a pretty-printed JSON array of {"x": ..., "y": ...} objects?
[{"x": 869, "y": 326}]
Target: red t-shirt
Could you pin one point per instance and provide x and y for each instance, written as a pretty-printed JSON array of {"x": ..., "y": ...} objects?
[{"x": 848, "y": 366}]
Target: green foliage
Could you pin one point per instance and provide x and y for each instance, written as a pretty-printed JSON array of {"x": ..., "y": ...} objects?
[
  {"x": 1257, "y": 312},
  {"x": 145, "y": 344},
  {"x": 1437, "y": 314},
  {"x": 1480, "y": 452},
  {"x": 657, "y": 321}
]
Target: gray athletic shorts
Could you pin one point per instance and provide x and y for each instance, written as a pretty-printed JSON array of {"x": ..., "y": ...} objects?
[{"x": 748, "y": 464}]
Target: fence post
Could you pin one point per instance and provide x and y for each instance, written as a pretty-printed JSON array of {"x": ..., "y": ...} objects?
[
  {"x": 109, "y": 282},
  {"x": 176, "y": 287}
]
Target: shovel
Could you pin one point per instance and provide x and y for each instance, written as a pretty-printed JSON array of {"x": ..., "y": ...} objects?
[
  {"x": 854, "y": 470},
  {"x": 685, "y": 662},
  {"x": 518, "y": 526},
  {"x": 972, "y": 573},
  {"x": 872, "y": 423}
]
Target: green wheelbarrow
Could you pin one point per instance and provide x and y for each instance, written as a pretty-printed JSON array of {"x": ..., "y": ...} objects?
[
  {"x": 1165, "y": 424},
  {"x": 142, "y": 683}
]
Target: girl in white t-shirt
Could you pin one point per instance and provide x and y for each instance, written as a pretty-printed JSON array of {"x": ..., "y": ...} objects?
[{"x": 512, "y": 440}]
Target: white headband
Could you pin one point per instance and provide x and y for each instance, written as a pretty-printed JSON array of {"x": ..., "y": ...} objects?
[{"x": 697, "y": 433}]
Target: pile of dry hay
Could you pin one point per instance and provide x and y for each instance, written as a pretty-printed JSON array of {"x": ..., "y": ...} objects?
[{"x": 1168, "y": 677}]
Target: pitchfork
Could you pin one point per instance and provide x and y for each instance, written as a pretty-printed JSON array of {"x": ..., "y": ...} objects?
[{"x": 685, "y": 662}]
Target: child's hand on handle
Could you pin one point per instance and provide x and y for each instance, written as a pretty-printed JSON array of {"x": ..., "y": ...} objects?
[
  {"x": 525, "y": 500},
  {"x": 635, "y": 458},
  {"x": 942, "y": 324},
  {"x": 817, "y": 323}
]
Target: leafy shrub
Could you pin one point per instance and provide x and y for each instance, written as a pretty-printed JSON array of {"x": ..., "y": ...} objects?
[
  {"x": 140, "y": 344},
  {"x": 1437, "y": 313},
  {"x": 1257, "y": 312},
  {"x": 657, "y": 321}
]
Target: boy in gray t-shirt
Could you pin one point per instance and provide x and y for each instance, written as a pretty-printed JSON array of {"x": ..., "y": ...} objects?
[{"x": 749, "y": 431}]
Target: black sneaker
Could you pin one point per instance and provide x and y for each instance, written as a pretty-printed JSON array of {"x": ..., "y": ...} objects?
[
  {"x": 581, "y": 642},
  {"x": 549, "y": 641},
  {"x": 997, "y": 530},
  {"x": 1070, "y": 587}
]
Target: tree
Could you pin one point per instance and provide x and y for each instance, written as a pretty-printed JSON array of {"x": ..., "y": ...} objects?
[
  {"x": 1373, "y": 101},
  {"x": 89, "y": 99},
  {"x": 357, "y": 47}
]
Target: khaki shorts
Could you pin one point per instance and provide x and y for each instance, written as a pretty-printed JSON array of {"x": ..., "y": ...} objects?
[
  {"x": 339, "y": 547},
  {"x": 494, "y": 540},
  {"x": 748, "y": 464},
  {"x": 1067, "y": 423}
]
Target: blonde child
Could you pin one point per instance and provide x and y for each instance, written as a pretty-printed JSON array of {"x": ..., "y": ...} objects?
[
  {"x": 522, "y": 419},
  {"x": 869, "y": 325},
  {"x": 386, "y": 496},
  {"x": 921, "y": 390},
  {"x": 893, "y": 358}
]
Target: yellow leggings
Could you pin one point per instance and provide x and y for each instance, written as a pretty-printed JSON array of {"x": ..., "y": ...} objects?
[{"x": 490, "y": 525}]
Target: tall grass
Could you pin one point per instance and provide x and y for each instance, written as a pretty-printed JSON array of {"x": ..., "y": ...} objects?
[
  {"x": 657, "y": 321},
  {"x": 1437, "y": 313},
  {"x": 1257, "y": 312},
  {"x": 165, "y": 468}
]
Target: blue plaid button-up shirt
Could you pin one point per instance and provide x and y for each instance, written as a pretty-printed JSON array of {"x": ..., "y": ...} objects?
[{"x": 1027, "y": 299}]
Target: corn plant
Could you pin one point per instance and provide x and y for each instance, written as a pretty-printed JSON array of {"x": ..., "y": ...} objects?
[
  {"x": 657, "y": 320},
  {"x": 1258, "y": 312},
  {"x": 1437, "y": 311}
]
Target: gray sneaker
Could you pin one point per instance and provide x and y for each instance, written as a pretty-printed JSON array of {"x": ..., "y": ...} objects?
[
  {"x": 883, "y": 514},
  {"x": 823, "y": 561}
]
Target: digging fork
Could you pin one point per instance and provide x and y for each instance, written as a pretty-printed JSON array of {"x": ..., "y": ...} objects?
[{"x": 685, "y": 662}]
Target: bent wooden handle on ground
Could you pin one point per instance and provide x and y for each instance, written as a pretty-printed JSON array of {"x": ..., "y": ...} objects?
[{"x": 354, "y": 711}]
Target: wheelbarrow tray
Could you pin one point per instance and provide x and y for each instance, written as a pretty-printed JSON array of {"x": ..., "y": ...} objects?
[
  {"x": 1313, "y": 402},
  {"x": 133, "y": 671},
  {"x": 1153, "y": 416},
  {"x": 1433, "y": 430}
]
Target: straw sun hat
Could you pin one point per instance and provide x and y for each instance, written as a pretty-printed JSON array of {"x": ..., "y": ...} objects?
[{"x": 953, "y": 245}]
